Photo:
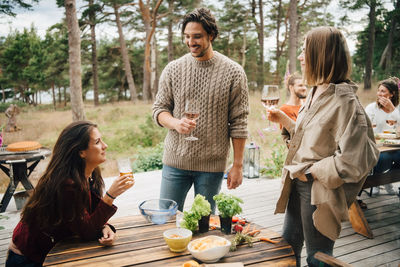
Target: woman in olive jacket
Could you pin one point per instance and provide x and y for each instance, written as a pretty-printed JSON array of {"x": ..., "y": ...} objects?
[{"x": 331, "y": 150}]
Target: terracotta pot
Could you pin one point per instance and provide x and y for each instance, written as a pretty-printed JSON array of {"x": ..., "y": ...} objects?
[
  {"x": 204, "y": 224},
  {"x": 226, "y": 225}
]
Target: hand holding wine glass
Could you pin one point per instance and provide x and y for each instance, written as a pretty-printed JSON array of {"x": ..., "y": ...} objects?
[
  {"x": 270, "y": 99},
  {"x": 192, "y": 112}
]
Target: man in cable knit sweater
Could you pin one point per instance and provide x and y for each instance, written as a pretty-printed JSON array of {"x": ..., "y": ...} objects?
[{"x": 219, "y": 86}]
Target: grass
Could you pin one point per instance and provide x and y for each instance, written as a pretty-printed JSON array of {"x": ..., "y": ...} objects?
[{"x": 127, "y": 128}]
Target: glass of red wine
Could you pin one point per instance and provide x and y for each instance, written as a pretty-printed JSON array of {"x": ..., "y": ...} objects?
[
  {"x": 270, "y": 99},
  {"x": 192, "y": 112}
]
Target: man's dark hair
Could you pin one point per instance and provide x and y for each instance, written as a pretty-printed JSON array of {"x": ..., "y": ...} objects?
[{"x": 205, "y": 18}]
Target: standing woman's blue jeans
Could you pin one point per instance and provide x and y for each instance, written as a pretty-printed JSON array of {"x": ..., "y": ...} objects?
[{"x": 175, "y": 184}]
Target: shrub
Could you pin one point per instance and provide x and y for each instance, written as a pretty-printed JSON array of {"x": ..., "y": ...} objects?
[
  {"x": 151, "y": 134},
  {"x": 149, "y": 159},
  {"x": 4, "y": 106},
  {"x": 275, "y": 164}
]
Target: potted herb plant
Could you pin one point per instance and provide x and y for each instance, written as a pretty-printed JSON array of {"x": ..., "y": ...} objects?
[
  {"x": 199, "y": 215},
  {"x": 228, "y": 206},
  {"x": 203, "y": 208}
]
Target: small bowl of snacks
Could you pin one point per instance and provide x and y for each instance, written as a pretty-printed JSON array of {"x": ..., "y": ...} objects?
[
  {"x": 210, "y": 248},
  {"x": 177, "y": 239},
  {"x": 158, "y": 211}
]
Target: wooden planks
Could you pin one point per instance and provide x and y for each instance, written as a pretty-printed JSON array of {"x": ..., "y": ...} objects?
[
  {"x": 141, "y": 244},
  {"x": 260, "y": 196}
]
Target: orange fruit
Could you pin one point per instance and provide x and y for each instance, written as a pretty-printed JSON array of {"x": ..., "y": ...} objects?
[{"x": 191, "y": 263}]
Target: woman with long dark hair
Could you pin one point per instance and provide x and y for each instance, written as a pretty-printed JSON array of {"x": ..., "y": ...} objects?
[
  {"x": 332, "y": 148},
  {"x": 68, "y": 198}
]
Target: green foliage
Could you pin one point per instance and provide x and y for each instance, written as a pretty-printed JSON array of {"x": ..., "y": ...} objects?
[
  {"x": 228, "y": 205},
  {"x": 151, "y": 134},
  {"x": 149, "y": 159},
  {"x": 190, "y": 220},
  {"x": 7, "y": 6},
  {"x": 201, "y": 206},
  {"x": 275, "y": 164},
  {"x": 4, "y": 106}
]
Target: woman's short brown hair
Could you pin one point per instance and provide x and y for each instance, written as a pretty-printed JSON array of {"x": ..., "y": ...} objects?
[{"x": 327, "y": 57}]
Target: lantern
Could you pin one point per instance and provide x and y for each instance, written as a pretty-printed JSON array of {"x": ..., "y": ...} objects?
[{"x": 251, "y": 164}]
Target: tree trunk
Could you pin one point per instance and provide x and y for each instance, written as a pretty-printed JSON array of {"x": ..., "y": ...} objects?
[
  {"x": 154, "y": 73},
  {"x": 244, "y": 44},
  {"x": 292, "y": 36},
  {"x": 125, "y": 56},
  {"x": 386, "y": 58},
  {"x": 75, "y": 74},
  {"x": 3, "y": 93},
  {"x": 54, "y": 96},
  {"x": 59, "y": 95},
  {"x": 371, "y": 44},
  {"x": 92, "y": 19},
  {"x": 149, "y": 19},
  {"x": 65, "y": 96},
  {"x": 260, "y": 35},
  {"x": 278, "y": 47},
  {"x": 170, "y": 32}
]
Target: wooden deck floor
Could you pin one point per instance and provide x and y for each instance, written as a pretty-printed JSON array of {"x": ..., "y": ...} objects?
[{"x": 260, "y": 195}]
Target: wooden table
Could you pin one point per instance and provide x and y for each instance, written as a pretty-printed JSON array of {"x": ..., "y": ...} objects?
[
  {"x": 356, "y": 215},
  {"x": 141, "y": 244},
  {"x": 18, "y": 170}
]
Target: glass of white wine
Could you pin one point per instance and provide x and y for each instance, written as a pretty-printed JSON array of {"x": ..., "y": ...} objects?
[
  {"x": 192, "y": 112},
  {"x": 391, "y": 123},
  {"x": 270, "y": 99}
]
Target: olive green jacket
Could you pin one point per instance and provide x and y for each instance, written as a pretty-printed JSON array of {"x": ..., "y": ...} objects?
[{"x": 334, "y": 140}]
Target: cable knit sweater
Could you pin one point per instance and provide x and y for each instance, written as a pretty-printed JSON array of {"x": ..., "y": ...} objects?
[{"x": 220, "y": 87}]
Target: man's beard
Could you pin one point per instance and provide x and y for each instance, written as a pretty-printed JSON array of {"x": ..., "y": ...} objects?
[
  {"x": 300, "y": 96},
  {"x": 202, "y": 52}
]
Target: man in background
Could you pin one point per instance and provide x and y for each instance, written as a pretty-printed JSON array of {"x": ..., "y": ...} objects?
[{"x": 298, "y": 92}]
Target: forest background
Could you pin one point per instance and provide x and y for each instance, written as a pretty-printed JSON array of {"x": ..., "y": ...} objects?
[{"x": 121, "y": 73}]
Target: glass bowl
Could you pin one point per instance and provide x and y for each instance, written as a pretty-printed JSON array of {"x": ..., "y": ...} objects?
[{"x": 158, "y": 211}]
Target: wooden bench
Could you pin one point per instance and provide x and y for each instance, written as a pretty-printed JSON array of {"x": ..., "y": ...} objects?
[{"x": 356, "y": 215}]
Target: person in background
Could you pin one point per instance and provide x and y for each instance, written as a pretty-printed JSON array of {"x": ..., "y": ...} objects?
[
  {"x": 298, "y": 92},
  {"x": 219, "y": 85},
  {"x": 68, "y": 199},
  {"x": 331, "y": 151},
  {"x": 386, "y": 118}
]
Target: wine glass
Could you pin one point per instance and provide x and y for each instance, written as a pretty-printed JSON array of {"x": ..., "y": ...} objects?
[
  {"x": 270, "y": 99},
  {"x": 192, "y": 112},
  {"x": 391, "y": 122},
  {"x": 373, "y": 122}
]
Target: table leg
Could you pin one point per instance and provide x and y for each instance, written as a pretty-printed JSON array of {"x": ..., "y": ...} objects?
[
  {"x": 20, "y": 175},
  {"x": 358, "y": 221},
  {"x": 7, "y": 197}
]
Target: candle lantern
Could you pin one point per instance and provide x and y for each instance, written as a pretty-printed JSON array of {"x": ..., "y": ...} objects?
[{"x": 251, "y": 164}]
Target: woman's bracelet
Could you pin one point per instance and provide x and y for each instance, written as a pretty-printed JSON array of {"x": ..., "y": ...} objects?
[{"x": 109, "y": 195}]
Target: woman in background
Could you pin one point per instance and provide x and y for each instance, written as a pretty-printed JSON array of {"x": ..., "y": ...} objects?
[
  {"x": 68, "y": 198},
  {"x": 331, "y": 150},
  {"x": 386, "y": 118}
]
